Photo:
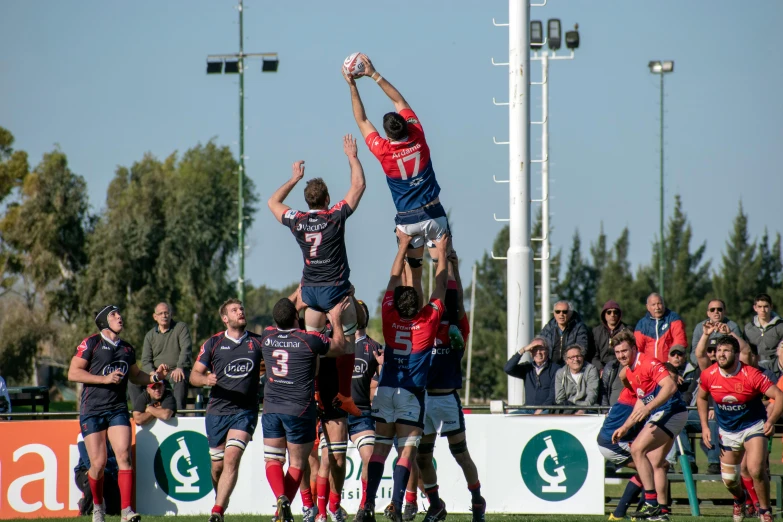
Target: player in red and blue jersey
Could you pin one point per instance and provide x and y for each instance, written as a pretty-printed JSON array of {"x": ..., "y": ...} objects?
[
  {"x": 405, "y": 158},
  {"x": 660, "y": 405},
  {"x": 743, "y": 424},
  {"x": 398, "y": 406},
  {"x": 104, "y": 363},
  {"x": 320, "y": 233}
]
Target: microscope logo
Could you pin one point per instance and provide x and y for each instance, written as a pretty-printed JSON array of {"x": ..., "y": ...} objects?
[
  {"x": 554, "y": 465},
  {"x": 182, "y": 466}
]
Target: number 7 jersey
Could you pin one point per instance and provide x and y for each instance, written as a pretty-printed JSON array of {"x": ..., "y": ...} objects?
[
  {"x": 321, "y": 236},
  {"x": 409, "y": 342}
]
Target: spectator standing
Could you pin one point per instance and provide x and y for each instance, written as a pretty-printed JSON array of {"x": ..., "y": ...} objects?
[
  {"x": 538, "y": 374},
  {"x": 169, "y": 343},
  {"x": 774, "y": 368},
  {"x": 765, "y": 331},
  {"x": 576, "y": 383},
  {"x": 563, "y": 330},
  {"x": 659, "y": 330},
  {"x": 156, "y": 402},
  {"x": 716, "y": 314},
  {"x": 611, "y": 324}
]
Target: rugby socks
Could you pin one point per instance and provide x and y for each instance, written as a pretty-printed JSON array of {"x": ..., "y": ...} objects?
[
  {"x": 432, "y": 494},
  {"x": 307, "y": 498},
  {"x": 402, "y": 472},
  {"x": 750, "y": 489},
  {"x": 292, "y": 479},
  {"x": 651, "y": 497},
  {"x": 630, "y": 496},
  {"x": 96, "y": 486},
  {"x": 218, "y": 509},
  {"x": 334, "y": 502},
  {"x": 475, "y": 492},
  {"x": 125, "y": 483},
  {"x": 410, "y": 497},
  {"x": 274, "y": 475},
  {"x": 364, "y": 492},
  {"x": 374, "y": 476},
  {"x": 452, "y": 303},
  {"x": 322, "y": 492}
]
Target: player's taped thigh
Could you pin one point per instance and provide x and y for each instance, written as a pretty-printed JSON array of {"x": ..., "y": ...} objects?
[
  {"x": 337, "y": 448},
  {"x": 274, "y": 453},
  {"x": 216, "y": 454},
  {"x": 321, "y": 330},
  {"x": 365, "y": 440},
  {"x": 412, "y": 440},
  {"x": 236, "y": 443},
  {"x": 386, "y": 441},
  {"x": 426, "y": 447},
  {"x": 458, "y": 447},
  {"x": 730, "y": 474}
]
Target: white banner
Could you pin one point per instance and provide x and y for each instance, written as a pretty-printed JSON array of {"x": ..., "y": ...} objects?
[{"x": 526, "y": 464}]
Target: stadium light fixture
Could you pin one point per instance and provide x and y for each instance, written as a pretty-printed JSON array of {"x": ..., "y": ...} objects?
[
  {"x": 660, "y": 67},
  {"x": 553, "y": 33},
  {"x": 536, "y": 35},
  {"x": 270, "y": 64},
  {"x": 214, "y": 67},
  {"x": 232, "y": 67},
  {"x": 572, "y": 38}
]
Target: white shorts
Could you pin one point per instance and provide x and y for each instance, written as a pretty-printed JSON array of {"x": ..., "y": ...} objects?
[
  {"x": 398, "y": 405},
  {"x": 427, "y": 230},
  {"x": 443, "y": 414},
  {"x": 618, "y": 454},
  {"x": 671, "y": 423},
  {"x": 735, "y": 440}
]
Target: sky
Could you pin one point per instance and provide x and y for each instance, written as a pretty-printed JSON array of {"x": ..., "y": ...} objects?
[{"x": 110, "y": 81}]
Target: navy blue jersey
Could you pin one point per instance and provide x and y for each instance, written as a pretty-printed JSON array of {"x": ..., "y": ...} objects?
[
  {"x": 617, "y": 416},
  {"x": 237, "y": 364},
  {"x": 446, "y": 363},
  {"x": 321, "y": 236},
  {"x": 292, "y": 356},
  {"x": 104, "y": 357},
  {"x": 364, "y": 368}
]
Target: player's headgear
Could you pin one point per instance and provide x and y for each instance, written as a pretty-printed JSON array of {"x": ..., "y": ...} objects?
[
  {"x": 102, "y": 317},
  {"x": 406, "y": 301},
  {"x": 395, "y": 126},
  {"x": 284, "y": 314}
]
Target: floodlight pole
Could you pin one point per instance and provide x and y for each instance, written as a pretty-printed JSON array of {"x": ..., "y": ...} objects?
[
  {"x": 660, "y": 231},
  {"x": 241, "y": 184}
]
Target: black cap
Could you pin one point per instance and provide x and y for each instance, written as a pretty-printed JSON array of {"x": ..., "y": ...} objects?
[{"x": 102, "y": 317}]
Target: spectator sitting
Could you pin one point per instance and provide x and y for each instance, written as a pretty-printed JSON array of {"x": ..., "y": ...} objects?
[
  {"x": 716, "y": 314},
  {"x": 157, "y": 402},
  {"x": 576, "y": 383},
  {"x": 5, "y": 399},
  {"x": 775, "y": 366},
  {"x": 611, "y": 324},
  {"x": 659, "y": 330},
  {"x": 611, "y": 384},
  {"x": 765, "y": 331},
  {"x": 111, "y": 490},
  {"x": 685, "y": 377},
  {"x": 563, "y": 330},
  {"x": 539, "y": 375}
]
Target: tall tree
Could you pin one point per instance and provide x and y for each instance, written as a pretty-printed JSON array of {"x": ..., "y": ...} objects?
[
  {"x": 579, "y": 281},
  {"x": 617, "y": 283},
  {"x": 739, "y": 276},
  {"x": 554, "y": 270},
  {"x": 14, "y": 168},
  {"x": 771, "y": 272}
]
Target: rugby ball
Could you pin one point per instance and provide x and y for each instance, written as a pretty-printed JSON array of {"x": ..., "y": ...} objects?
[{"x": 353, "y": 66}]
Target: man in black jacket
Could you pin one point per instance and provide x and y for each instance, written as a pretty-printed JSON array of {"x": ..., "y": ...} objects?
[
  {"x": 563, "y": 330},
  {"x": 611, "y": 324},
  {"x": 539, "y": 375}
]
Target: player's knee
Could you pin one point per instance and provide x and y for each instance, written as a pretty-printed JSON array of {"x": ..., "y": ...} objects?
[
  {"x": 274, "y": 453},
  {"x": 217, "y": 454},
  {"x": 426, "y": 448},
  {"x": 415, "y": 262},
  {"x": 458, "y": 448},
  {"x": 411, "y": 441},
  {"x": 365, "y": 440},
  {"x": 730, "y": 474}
]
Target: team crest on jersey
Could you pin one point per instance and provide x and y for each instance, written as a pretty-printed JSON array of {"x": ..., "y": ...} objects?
[
  {"x": 639, "y": 392},
  {"x": 738, "y": 387},
  {"x": 413, "y": 121}
]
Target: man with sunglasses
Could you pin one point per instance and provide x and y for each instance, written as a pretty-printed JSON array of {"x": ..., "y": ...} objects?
[
  {"x": 611, "y": 324},
  {"x": 565, "y": 329},
  {"x": 716, "y": 314}
]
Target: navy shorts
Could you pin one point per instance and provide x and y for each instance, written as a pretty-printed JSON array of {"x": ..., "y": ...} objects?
[
  {"x": 102, "y": 421},
  {"x": 357, "y": 425},
  {"x": 324, "y": 298},
  {"x": 296, "y": 430},
  {"x": 218, "y": 426}
]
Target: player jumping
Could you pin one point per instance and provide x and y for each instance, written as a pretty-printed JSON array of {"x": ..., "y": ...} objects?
[
  {"x": 660, "y": 405},
  {"x": 444, "y": 417},
  {"x": 104, "y": 363},
  {"x": 405, "y": 159},
  {"x": 398, "y": 406},
  {"x": 230, "y": 362},
  {"x": 742, "y": 421},
  {"x": 320, "y": 233},
  {"x": 290, "y": 415}
]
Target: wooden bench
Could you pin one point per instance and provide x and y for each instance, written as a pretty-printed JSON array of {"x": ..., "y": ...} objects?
[{"x": 33, "y": 396}]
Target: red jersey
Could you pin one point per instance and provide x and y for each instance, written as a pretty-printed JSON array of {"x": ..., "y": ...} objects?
[
  {"x": 645, "y": 376},
  {"x": 737, "y": 396}
]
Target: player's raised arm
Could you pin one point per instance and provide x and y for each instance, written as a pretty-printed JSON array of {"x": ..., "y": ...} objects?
[
  {"x": 441, "y": 272},
  {"x": 454, "y": 260},
  {"x": 275, "y": 202},
  {"x": 358, "y": 183},
  {"x": 700, "y": 350},
  {"x": 399, "y": 261},
  {"x": 389, "y": 89},
  {"x": 365, "y": 127},
  {"x": 337, "y": 343}
]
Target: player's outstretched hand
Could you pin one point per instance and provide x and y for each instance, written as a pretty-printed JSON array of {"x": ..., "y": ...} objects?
[
  {"x": 337, "y": 312},
  {"x": 442, "y": 244},
  {"x": 348, "y": 77},
  {"x": 349, "y": 146},
  {"x": 369, "y": 68},
  {"x": 297, "y": 171},
  {"x": 404, "y": 239}
]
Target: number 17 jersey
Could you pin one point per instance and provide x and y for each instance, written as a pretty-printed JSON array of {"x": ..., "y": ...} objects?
[{"x": 321, "y": 236}]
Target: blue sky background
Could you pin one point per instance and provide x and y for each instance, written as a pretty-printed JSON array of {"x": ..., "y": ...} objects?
[{"x": 109, "y": 81}]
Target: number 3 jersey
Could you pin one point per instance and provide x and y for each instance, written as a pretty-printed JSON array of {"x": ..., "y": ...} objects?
[
  {"x": 407, "y": 165},
  {"x": 737, "y": 396},
  {"x": 409, "y": 342},
  {"x": 321, "y": 236},
  {"x": 237, "y": 363},
  {"x": 104, "y": 357},
  {"x": 291, "y": 357}
]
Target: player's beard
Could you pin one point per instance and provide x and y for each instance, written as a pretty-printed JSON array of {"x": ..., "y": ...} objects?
[
  {"x": 239, "y": 324},
  {"x": 729, "y": 364}
]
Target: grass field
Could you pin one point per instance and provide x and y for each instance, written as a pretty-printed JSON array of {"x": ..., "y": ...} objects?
[{"x": 419, "y": 518}]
